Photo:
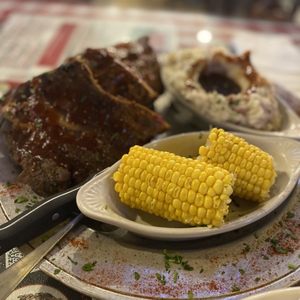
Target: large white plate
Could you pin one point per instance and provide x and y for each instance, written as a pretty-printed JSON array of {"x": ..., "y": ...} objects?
[
  {"x": 228, "y": 266},
  {"x": 98, "y": 200}
]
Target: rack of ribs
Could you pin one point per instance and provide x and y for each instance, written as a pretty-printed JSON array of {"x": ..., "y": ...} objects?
[{"x": 67, "y": 124}]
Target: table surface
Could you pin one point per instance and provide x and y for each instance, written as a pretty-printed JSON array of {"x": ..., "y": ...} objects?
[{"x": 37, "y": 36}]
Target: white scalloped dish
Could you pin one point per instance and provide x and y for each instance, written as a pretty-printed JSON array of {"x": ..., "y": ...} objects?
[
  {"x": 290, "y": 121},
  {"x": 98, "y": 200},
  {"x": 225, "y": 90}
]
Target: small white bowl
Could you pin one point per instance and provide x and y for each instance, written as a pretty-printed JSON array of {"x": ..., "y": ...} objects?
[
  {"x": 290, "y": 120},
  {"x": 98, "y": 200}
]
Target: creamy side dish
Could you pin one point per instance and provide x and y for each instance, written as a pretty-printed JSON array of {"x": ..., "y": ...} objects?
[{"x": 222, "y": 87}]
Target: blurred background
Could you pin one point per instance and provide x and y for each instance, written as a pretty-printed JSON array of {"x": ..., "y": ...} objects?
[
  {"x": 269, "y": 29},
  {"x": 271, "y": 10}
]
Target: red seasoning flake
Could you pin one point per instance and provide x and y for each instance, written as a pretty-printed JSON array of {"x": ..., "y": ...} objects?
[
  {"x": 213, "y": 286},
  {"x": 79, "y": 243}
]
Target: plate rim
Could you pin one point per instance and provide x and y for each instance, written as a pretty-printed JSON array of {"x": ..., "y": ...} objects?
[
  {"x": 93, "y": 291},
  {"x": 278, "y": 292}
]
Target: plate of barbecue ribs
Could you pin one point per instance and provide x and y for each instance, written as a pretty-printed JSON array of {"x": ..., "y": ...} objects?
[{"x": 70, "y": 123}]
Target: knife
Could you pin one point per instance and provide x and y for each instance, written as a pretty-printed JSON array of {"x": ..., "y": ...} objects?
[
  {"x": 40, "y": 218},
  {"x": 11, "y": 277}
]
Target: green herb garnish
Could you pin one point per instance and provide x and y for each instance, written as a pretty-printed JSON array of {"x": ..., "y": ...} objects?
[
  {"x": 242, "y": 271},
  {"x": 176, "y": 259},
  {"x": 292, "y": 267},
  {"x": 161, "y": 278},
  {"x": 56, "y": 271},
  {"x": 190, "y": 295},
  {"x": 175, "y": 276},
  {"x": 89, "y": 266},
  {"x": 290, "y": 215},
  {"x": 186, "y": 266},
  {"x": 137, "y": 276},
  {"x": 278, "y": 248},
  {"x": 21, "y": 199}
]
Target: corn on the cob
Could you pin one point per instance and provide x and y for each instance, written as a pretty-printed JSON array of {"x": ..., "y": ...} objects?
[
  {"x": 174, "y": 187},
  {"x": 254, "y": 168}
]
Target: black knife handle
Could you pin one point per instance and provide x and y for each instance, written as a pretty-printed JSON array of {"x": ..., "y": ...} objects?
[{"x": 40, "y": 218}]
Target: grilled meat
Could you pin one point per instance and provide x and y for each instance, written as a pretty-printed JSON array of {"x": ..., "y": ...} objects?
[
  {"x": 117, "y": 78},
  {"x": 65, "y": 125},
  {"x": 140, "y": 56}
]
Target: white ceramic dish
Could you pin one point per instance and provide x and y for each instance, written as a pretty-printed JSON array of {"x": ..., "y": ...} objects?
[
  {"x": 98, "y": 200},
  {"x": 280, "y": 294},
  {"x": 36, "y": 291},
  {"x": 290, "y": 122}
]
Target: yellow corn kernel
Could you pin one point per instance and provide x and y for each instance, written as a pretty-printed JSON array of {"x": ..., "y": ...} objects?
[
  {"x": 175, "y": 177},
  {"x": 185, "y": 206},
  {"x": 193, "y": 210},
  {"x": 195, "y": 185},
  {"x": 183, "y": 194},
  {"x": 199, "y": 200},
  {"x": 203, "y": 188},
  {"x": 218, "y": 186},
  {"x": 174, "y": 187},
  {"x": 201, "y": 212},
  {"x": 191, "y": 196},
  {"x": 176, "y": 192},
  {"x": 253, "y": 168}
]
